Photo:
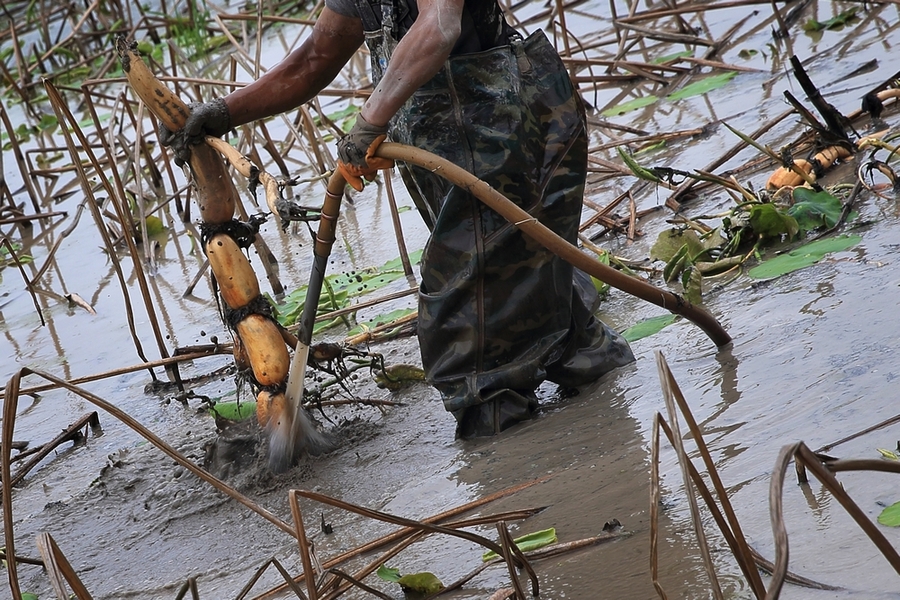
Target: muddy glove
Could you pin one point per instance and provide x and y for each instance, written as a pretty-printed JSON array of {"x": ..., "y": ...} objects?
[
  {"x": 206, "y": 118},
  {"x": 356, "y": 153}
]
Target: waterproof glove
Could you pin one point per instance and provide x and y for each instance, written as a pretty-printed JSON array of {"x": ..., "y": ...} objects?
[
  {"x": 356, "y": 153},
  {"x": 206, "y": 118}
]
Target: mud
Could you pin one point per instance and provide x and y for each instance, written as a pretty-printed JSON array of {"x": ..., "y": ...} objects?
[
  {"x": 814, "y": 358},
  {"x": 144, "y": 524}
]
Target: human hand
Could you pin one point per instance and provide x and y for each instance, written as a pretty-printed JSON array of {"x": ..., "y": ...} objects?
[
  {"x": 206, "y": 118},
  {"x": 356, "y": 152}
]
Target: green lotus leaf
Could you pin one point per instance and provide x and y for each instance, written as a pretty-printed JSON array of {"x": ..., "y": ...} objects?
[
  {"x": 425, "y": 583},
  {"x": 648, "y": 327},
  {"x": 529, "y": 542},
  {"x": 627, "y": 107},
  {"x": 803, "y": 256},
  {"x": 815, "y": 209},
  {"x": 767, "y": 221},
  {"x": 234, "y": 411},
  {"x": 388, "y": 573},
  {"x": 890, "y": 516},
  {"x": 705, "y": 85}
]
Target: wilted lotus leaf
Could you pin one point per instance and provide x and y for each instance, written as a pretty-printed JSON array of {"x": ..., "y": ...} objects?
[{"x": 767, "y": 221}]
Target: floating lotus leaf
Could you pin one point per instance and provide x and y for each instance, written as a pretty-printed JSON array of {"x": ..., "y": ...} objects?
[
  {"x": 836, "y": 22},
  {"x": 234, "y": 411},
  {"x": 705, "y": 85},
  {"x": 648, "y": 327},
  {"x": 425, "y": 583},
  {"x": 627, "y": 107},
  {"x": 381, "y": 320},
  {"x": 388, "y": 573},
  {"x": 529, "y": 542},
  {"x": 767, "y": 221},
  {"x": 803, "y": 256},
  {"x": 670, "y": 242},
  {"x": 340, "y": 288},
  {"x": 815, "y": 209},
  {"x": 890, "y": 516}
]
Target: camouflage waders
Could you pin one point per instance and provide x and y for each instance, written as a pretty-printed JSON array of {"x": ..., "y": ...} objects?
[{"x": 498, "y": 313}]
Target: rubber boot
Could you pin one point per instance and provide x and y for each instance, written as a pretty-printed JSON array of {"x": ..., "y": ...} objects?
[{"x": 501, "y": 410}]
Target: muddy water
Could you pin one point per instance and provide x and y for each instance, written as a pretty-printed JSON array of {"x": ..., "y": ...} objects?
[{"x": 813, "y": 359}]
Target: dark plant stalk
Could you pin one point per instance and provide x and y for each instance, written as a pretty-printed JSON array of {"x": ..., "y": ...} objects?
[
  {"x": 64, "y": 116},
  {"x": 738, "y": 542},
  {"x": 684, "y": 462},
  {"x": 395, "y": 219}
]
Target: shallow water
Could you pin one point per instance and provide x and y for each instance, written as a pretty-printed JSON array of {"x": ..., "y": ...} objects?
[{"x": 813, "y": 359}]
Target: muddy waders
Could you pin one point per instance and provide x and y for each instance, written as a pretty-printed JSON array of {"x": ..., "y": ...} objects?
[{"x": 498, "y": 313}]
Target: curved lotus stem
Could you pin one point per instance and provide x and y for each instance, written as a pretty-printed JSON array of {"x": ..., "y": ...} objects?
[{"x": 547, "y": 238}]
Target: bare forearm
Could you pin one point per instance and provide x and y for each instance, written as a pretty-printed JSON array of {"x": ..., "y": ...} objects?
[
  {"x": 417, "y": 58},
  {"x": 302, "y": 75}
]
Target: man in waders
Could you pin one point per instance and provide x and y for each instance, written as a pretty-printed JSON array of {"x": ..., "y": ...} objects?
[{"x": 498, "y": 313}]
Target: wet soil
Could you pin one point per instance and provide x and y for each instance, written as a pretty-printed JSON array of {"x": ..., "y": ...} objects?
[
  {"x": 814, "y": 358},
  {"x": 144, "y": 525}
]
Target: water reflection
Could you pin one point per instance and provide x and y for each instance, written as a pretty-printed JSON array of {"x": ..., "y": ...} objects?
[
  {"x": 724, "y": 373},
  {"x": 819, "y": 504},
  {"x": 594, "y": 451},
  {"x": 824, "y": 289}
]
